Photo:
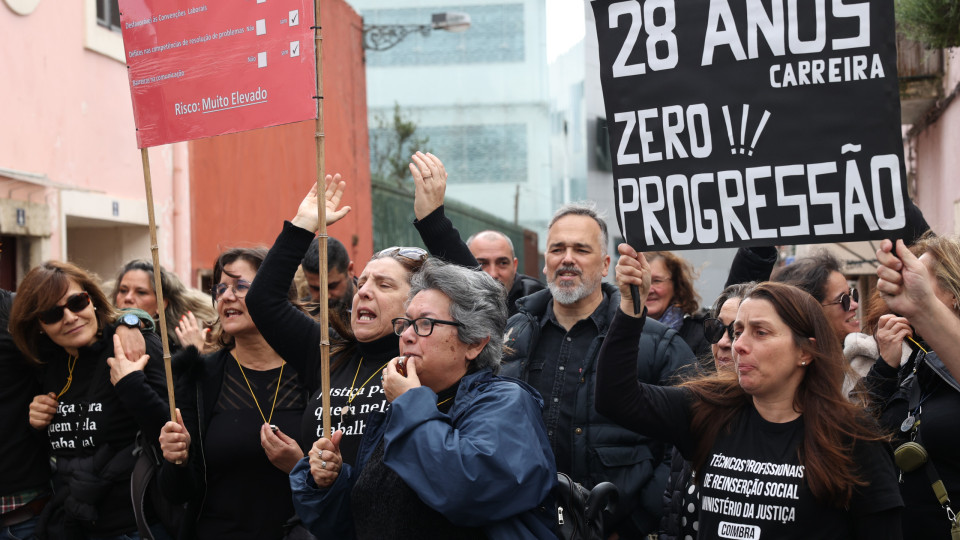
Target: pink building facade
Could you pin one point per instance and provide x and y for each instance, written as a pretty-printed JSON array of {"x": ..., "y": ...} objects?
[
  {"x": 932, "y": 146},
  {"x": 71, "y": 177},
  {"x": 71, "y": 181}
]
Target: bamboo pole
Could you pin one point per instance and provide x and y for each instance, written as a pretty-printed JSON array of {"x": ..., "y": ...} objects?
[
  {"x": 322, "y": 224},
  {"x": 157, "y": 283}
]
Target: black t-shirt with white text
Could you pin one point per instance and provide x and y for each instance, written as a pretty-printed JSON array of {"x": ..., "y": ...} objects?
[{"x": 753, "y": 485}]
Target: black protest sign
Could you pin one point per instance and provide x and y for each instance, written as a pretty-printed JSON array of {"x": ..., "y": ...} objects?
[{"x": 752, "y": 122}]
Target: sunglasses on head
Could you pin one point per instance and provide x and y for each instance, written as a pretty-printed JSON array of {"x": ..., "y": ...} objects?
[
  {"x": 844, "y": 299},
  {"x": 713, "y": 330},
  {"x": 412, "y": 253},
  {"x": 75, "y": 303}
]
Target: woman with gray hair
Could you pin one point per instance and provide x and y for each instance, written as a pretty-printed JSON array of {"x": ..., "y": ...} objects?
[{"x": 460, "y": 453}]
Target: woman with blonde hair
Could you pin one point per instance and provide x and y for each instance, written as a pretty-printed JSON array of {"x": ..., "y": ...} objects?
[
  {"x": 920, "y": 401},
  {"x": 188, "y": 312}
]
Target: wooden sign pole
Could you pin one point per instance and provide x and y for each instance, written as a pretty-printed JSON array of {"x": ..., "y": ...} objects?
[
  {"x": 322, "y": 224},
  {"x": 157, "y": 282}
]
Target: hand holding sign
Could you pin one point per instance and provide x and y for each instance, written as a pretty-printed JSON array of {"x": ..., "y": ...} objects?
[{"x": 633, "y": 279}]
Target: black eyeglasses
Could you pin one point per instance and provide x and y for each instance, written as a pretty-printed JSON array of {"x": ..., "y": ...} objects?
[
  {"x": 713, "y": 330},
  {"x": 412, "y": 253},
  {"x": 75, "y": 303},
  {"x": 844, "y": 299},
  {"x": 240, "y": 289},
  {"x": 423, "y": 326}
]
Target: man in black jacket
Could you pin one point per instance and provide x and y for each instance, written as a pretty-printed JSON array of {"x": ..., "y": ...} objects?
[
  {"x": 494, "y": 251},
  {"x": 555, "y": 339}
]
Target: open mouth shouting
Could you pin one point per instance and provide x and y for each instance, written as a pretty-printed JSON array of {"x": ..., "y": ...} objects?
[{"x": 365, "y": 315}]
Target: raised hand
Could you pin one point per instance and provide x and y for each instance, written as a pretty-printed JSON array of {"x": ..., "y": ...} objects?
[
  {"x": 190, "y": 332},
  {"x": 430, "y": 181},
  {"x": 307, "y": 213}
]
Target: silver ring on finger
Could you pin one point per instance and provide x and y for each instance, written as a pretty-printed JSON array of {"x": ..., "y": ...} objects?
[{"x": 323, "y": 464}]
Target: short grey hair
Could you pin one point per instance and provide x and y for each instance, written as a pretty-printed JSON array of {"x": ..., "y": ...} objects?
[
  {"x": 476, "y": 300},
  {"x": 589, "y": 210},
  {"x": 491, "y": 232}
]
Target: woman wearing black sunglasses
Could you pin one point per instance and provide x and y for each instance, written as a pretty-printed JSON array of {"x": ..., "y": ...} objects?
[{"x": 94, "y": 400}]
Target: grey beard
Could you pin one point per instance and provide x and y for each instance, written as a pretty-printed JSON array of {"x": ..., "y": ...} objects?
[{"x": 570, "y": 295}]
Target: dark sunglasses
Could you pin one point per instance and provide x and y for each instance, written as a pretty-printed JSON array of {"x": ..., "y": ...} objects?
[
  {"x": 412, "y": 253},
  {"x": 714, "y": 328},
  {"x": 75, "y": 303},
  {"x": 844, "y": 299},
  {"x": 422, "y": 326}
]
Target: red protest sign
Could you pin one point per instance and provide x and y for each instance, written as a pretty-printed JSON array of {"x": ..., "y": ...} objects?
[{"x": 199, "y": 69}]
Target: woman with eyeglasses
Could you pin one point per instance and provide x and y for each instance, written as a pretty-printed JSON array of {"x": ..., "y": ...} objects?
[
  {"x": 229, "y": 453},
  {"x": 95, "y": 400},
  {"x": 674, "y": 302},
  {"x": 681, "y": 499},
  {"x": 360, "y": 348},
  {"x": 461, "y": 453},
  {"x": 919, "y": 402},
  {"x": 777, "y": 449}
]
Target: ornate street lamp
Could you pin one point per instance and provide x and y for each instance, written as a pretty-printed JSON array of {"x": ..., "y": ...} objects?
[{"x": 380, "y": 37}]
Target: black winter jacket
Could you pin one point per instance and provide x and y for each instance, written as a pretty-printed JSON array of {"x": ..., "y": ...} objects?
[
  {"x": 604, "y": 451},
  {"x": 523, "y": 285}
]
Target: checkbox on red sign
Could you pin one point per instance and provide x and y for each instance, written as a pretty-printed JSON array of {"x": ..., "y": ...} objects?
[
  {"x": 294, "y": 17},
  {"x": 262, "y": 60},
  {"x": 294, "y": 49},
  {"x": 261, "y": 27},
  {"x": 261, "y": 1}
]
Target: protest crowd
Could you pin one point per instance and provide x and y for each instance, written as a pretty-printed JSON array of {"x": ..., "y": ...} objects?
[{"x": 460, "y": 388}]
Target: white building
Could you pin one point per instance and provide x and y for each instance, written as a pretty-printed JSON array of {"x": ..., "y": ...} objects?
[
  {"x": 480, "y": 96},
  {"x": 580, "y": 155}
]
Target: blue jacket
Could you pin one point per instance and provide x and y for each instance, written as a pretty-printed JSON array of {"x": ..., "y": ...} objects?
[
  {"x": 491, "y": 451},
  {"x": 603, "y": 451}
]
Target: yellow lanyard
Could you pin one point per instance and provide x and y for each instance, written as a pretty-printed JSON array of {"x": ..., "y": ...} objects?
[
  {"x": 71, "y": 363},
  {"x": 265, "y": 419},
  {"x": 374, "y": 374}
]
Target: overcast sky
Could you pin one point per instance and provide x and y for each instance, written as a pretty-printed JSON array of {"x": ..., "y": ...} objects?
[{"x": 565, "y": 26}]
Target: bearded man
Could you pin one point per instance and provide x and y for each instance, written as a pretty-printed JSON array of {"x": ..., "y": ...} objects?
[{"x": 555, "y": 338}]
